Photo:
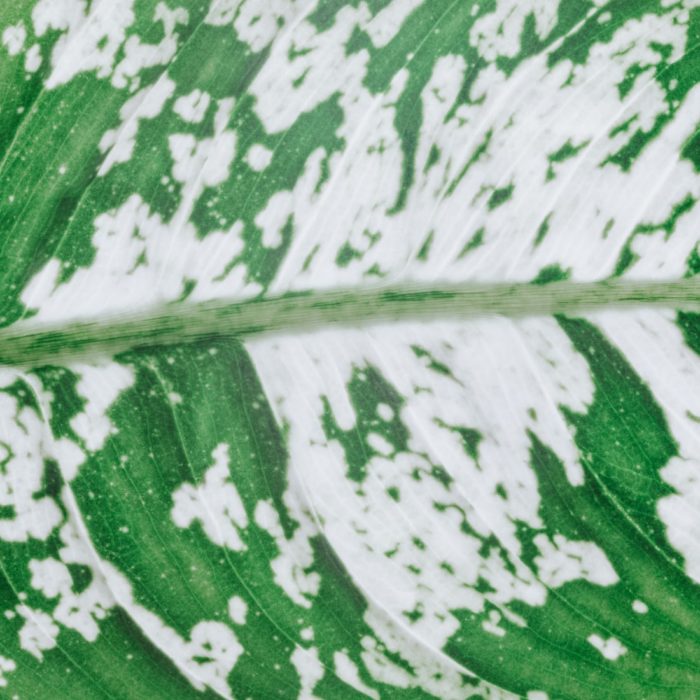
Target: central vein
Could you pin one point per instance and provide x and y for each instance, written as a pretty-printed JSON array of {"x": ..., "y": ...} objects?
[{"x": 34, "y": 343}]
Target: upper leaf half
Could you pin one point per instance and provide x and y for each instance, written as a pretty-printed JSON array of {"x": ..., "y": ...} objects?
[{"x": 152, "y": 153}]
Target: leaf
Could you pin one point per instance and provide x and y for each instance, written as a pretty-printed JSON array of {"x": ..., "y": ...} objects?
[{"x": 350, "y": 349}]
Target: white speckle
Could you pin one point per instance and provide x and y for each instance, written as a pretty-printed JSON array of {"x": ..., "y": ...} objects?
[
  {"x": 237, "y": 610},
  {"x": 640, "y": 607},
  {"x": 174, "y": 397},
  {"x": 6, "y": 666},
  {"x": 62, "y": 170},
  {"x": 612, "y": 649}
]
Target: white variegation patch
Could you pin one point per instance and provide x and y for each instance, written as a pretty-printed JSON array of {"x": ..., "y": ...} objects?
[{"x": 215, "y": 504}]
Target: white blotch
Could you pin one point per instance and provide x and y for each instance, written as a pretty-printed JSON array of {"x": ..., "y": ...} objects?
[
  {"x": 347, "y": 671},
  {"x": 67, "y": 454},
  {"x": 387, "y": 22},
  {"x": 640, "y": 607},
  {"x": 13, "y": 38},
  {"x": 385, "y": 412},
  {"x": 139, "y": 56},
  {"x": 221, "y": 12},
  {"x": 215, "y": 504},
  {"x": 192, "y": 108},
  {"x": 78, "y": 611},
  {"x": 32, "y": 61},
  {"x": 561, "y": 560},
  {"x": 148, "y": 103},
  {"x": 679, "y": 511},
  {"x": 491, "y": 624},
  {"x": 205, "y": 163},
  {"x": 612, "y": 649},
  {"x": 257, "y": 24},
  {"x": 89, "y": 39},
  {"x": 380, "y": 444},
  {"x": 310, "y": 670},
  {"x": 39, "y": 632},
  {"x": 385, "y": 671},
  {"x": 294, "y": 558},
  {"x": 100, "y": 385},
  {"x": 274, "y": 217},
  {"x": 22, "y": 472},
  {"x": 258, "y": 157},
  {"x": 142, "y": 260},
  {"x": 237, "y": 610},
  {"x": 499, "y": 33}
]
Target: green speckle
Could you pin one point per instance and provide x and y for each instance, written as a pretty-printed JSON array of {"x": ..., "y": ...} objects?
[
  {"x": 628, "y": 257},
  {"x": 432, "y": 362},
  {"x": 693, "y": 263},
  {"x": 425, "y": 248},
  {"x": 691, "y": 150},
  {"x": 470, "y": 437},
  {"x": 473, "y": 243},
  {"x": 433, "y": 158},
  {"x": 500, "y": 196},
  {"x": 367, "y": 389},
  {"x": 551, "y": 273},
  {"x": 567, "y": 151}
]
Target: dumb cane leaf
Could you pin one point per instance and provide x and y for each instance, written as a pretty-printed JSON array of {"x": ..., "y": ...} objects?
[{"x": 350, "y": 349}]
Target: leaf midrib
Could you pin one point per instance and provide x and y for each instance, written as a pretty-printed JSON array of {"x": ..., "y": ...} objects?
[{"x": 31, "y": 343}]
